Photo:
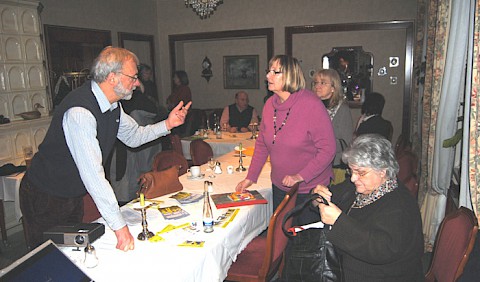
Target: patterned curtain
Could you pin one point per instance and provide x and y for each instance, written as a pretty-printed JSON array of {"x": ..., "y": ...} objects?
[
  {"x": 441, "y": 80},
  {"x": 474, "y": 140}
]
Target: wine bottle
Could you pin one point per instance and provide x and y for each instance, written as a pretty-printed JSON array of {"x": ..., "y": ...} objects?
[{"x": 207, "y": 209}]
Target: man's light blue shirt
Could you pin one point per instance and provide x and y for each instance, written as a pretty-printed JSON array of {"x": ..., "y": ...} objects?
[{"x": 80, "y": 129}]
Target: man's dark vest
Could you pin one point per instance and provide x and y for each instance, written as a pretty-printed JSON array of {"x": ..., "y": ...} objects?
[
  {"x": 53, "y": 169},
  {"x": 239, "y": 119}
]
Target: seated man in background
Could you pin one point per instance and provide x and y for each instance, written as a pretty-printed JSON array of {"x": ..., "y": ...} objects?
[{"x": 238, "y": 116}]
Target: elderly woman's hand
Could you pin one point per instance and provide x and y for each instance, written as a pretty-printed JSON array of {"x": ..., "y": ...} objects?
[
  {"x": 329, "y": 212},
  {"x": 323, "y": 191}
]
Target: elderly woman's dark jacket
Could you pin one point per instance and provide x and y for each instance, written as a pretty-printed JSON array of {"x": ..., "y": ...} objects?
[{"x": 382, "y": 241}]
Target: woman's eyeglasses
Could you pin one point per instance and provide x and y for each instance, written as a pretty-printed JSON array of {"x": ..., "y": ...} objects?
[
  {"x": 322, "y": 83},
  {"x": 358, "y": 173},
  {"x": 272, "y": 71}
]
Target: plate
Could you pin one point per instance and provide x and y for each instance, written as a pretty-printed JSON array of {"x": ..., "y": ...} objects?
[{"x": 196, "y": 177}]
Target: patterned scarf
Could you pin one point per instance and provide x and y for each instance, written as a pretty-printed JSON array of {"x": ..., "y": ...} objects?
[{"x": 365, "y": 200}]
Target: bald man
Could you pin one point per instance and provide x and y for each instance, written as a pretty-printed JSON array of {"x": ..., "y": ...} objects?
[{"x": 240, "y": 115}]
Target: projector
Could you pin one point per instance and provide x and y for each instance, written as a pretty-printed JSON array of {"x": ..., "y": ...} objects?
[{"x": 78, "y": 235}]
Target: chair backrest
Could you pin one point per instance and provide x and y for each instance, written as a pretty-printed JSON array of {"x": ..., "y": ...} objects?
[
  {"x": 90, "y": 210},
  {"x": 196, "y": 118},
  {"x": 408, "y": 163},
  {"x": 276, "y": 239},
  {"x": 166, "y": 159},
  {"x": 454, "y": 243},
  {"x": 200, "y": 151},
  {"x": 176, "y": 144}
]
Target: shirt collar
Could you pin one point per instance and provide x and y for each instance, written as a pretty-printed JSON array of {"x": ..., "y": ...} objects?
[{"x": 102, "y": 100}]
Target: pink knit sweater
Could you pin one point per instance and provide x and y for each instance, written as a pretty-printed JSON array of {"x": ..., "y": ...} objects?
[{"x": 304, "y": 145}]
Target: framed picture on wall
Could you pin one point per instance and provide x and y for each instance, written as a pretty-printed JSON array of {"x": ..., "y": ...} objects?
[{"x": 240, "y": 72}]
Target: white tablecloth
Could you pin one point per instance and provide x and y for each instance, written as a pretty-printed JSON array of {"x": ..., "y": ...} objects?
[
  {"x": 221, "y": 146},
  {"x": 165, "y": 261},
  {"x": 9, "y": 187}
]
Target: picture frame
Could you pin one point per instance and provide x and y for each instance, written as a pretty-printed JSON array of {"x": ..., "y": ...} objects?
[{"x": 240, "y": 72}]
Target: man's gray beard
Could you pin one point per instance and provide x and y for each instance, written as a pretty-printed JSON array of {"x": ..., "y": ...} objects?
[{"x": 122, "y": 92}]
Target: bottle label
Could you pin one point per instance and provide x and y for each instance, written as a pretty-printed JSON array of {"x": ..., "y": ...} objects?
[{"x": 208, "y": 224}]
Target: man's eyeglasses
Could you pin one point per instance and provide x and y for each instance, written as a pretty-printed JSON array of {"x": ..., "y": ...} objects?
[
  {"x": 133, "y": 78},
  {"x": 360, "y": 174},
  {"x": 322, "y": 83},
  {"x": 272, "y": 71}
]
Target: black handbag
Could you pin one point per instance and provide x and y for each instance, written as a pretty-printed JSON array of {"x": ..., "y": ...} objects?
[{"x": 310, "y": 256}]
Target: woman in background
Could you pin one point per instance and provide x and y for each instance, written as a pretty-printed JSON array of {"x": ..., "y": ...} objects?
[
  {"x": 296, "y": 133},
  {"x": 181, "y": 91},
  {"x": 327, "y": 85}
]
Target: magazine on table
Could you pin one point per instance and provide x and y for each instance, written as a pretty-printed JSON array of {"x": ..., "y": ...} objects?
[
  {"x": 173, "y": 212},
  {"x": 234, "y": 199},
  {"x": 187, "y": 198}
]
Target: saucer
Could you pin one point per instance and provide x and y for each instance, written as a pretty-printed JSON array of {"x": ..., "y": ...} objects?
[
  {"x": 201, "y": 176},
  {"x": 138, "y": 206},
  {"x": 237, "y": 148}
]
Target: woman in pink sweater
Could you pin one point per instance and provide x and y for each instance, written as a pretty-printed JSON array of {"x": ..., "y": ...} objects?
[{"x": 296, "y": 132}]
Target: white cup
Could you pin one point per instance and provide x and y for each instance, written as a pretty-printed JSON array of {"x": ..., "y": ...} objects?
[
  {"x": 194, "y": 171},
  {"x": 230, "y": 169}
]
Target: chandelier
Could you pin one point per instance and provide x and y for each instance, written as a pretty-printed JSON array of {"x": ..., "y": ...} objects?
[{"x": 203, "y": 8}]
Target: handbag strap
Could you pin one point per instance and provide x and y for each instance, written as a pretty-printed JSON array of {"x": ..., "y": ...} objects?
[{"x": 290, "y": 232}]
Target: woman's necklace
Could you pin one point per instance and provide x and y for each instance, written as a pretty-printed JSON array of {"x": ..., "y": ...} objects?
[{"x": 275, "y": 123}]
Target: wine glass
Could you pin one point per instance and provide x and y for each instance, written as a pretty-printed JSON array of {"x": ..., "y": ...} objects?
[{"x": 211, "y": 164}]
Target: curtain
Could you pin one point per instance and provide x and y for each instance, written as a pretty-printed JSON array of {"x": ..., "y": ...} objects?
[
  {"x": 473, "y": 179},
  {"x": 445, "y": 58}
]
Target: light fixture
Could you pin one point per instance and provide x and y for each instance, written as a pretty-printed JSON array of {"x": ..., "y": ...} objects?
[{"x": 203, "y": 8}]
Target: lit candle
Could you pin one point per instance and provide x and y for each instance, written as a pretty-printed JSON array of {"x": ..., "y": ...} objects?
[{"x": 142, "y": 199}]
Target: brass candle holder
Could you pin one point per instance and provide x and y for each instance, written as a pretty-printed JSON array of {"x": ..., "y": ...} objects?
[
  {"x": 145, "y": 234},
  {"x": 240, "y": 163}
]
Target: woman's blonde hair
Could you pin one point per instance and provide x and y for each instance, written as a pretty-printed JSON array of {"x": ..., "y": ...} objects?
[
  {"x": 334, "y": 77},
  {"x": 293, "y": 79}
]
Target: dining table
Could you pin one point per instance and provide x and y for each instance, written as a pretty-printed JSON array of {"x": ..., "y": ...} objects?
[
  {"x": 181, "y": 250},
  {"x": 220, "y": 146}
]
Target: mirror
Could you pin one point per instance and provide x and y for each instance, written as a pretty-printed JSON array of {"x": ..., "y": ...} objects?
[
  {"x": 354, "y": 66},
  {"x": 70, "y": 53}
]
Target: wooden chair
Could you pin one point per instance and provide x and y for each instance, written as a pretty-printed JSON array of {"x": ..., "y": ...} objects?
[
  {"x": 408, "y": 163},
  {"x": 263, "y": 256},
  {"x": 166, "y": 159},
  {"x": 200, "y": 151},
  {"x": 90, "y": 210},
  {"x": 176, "y": 144},
  {"x": 454, "y": 243}
]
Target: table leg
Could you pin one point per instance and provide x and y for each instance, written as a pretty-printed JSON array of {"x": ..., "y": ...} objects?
[{"x": 2, "y": 223}]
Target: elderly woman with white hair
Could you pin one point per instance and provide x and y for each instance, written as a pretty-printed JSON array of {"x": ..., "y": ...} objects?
[{"x": 376, "y": 223}]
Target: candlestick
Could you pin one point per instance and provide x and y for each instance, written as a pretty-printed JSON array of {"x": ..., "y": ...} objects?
[{"x": 145, "y": 234}]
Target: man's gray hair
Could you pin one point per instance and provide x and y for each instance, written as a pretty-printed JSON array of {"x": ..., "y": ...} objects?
[{"x": 111, "y": 59}]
